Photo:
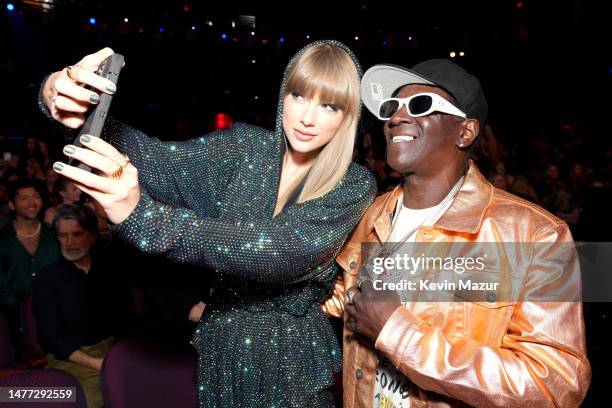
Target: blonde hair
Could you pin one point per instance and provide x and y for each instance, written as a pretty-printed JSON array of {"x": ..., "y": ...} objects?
[{"x": 330, "y": 73}]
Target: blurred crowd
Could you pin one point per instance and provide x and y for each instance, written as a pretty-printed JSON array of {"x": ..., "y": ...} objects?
[
  {"x": 560, "y": 170},
  {"x": 26, "y": 167}
]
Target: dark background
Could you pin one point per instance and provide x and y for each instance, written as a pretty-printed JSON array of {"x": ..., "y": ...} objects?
[
  {"x": 541, "y": 63},
  {"x": 546, "y": 68}
]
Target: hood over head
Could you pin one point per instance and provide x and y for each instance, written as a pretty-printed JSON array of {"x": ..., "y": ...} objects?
[{"x": 279, "y": 112}]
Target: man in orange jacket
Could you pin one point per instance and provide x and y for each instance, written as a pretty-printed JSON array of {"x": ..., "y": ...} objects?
[{"x": 518, "y": 343}]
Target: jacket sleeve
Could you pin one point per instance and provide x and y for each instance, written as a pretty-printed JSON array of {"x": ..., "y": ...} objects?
[
  {"x": 167, "y": 169},
  {"x": 541, "y": 360},
  {"x": 162, "y": 165},
  {"x": 288, "y": 248},
  {"x": 333, "y": 306}
]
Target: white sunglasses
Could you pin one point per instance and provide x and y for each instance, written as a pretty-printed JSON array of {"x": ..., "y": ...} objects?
[{"x": 421, "y": 104}]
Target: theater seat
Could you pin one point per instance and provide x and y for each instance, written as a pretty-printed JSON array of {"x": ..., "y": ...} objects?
[
  {"x": 140, "y": 372},
  {"x": 45, "y": 377}
]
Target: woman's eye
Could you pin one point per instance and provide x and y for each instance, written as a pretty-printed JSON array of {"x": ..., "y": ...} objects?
[
  {"x": 298, "y": 96},
  {"x": 330, "y": 107}
]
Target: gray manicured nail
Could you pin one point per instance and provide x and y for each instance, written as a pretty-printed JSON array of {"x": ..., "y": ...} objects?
[
  {"x": 94, "y": 98},
  {"x": 111, "y": 88},
  {"x": 85, "y": 138},
  {"x": 58, "y": 166},
  {"x": 69, "y": 149}
]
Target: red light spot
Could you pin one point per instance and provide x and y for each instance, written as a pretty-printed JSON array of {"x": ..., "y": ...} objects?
[
  {"x": 185, "y": 7},
  {"x": 520, "y": 4},
  {"x": 223, "y": 121}
]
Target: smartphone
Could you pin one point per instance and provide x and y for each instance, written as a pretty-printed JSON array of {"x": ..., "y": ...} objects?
[{"x": 109, "y": 69}]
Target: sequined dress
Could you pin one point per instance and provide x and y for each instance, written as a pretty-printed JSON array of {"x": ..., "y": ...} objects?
[{"x": 262, "y": 340}]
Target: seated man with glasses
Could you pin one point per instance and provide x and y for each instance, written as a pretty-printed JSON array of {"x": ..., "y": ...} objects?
[{"x": 515, "y": 338}]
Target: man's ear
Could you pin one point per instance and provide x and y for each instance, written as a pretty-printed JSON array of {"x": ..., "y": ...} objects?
[
  {"x": 11, "y": 205},
  {"x": 470, "y": 130}
]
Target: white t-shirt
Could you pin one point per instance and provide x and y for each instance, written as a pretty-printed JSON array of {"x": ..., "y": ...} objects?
[
  {"x": 391, "y": 388},
  {"x": 406, "y": 220}
]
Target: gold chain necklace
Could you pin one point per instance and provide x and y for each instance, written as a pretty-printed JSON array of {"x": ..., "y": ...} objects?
[{"x": 386, "y": 251}]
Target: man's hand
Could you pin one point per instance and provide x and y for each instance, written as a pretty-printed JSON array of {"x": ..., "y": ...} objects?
[
  {"x": 196, "y": 311},
  {"x": 97, "y": 363},
  {"x": 84, "y": 359},
  {"x": 370, "y": 310}
]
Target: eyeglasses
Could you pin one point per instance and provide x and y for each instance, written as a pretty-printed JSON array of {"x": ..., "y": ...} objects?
[{"x": 421, "y": 104}]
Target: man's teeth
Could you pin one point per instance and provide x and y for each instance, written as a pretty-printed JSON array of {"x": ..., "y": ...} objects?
[{"x": 397, "y": 139}]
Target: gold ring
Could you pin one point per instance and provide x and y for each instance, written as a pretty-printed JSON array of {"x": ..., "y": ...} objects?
[
  {"x": 117, "y": 173},
  {"x": 120, "y": 166},
  {"x": 361, "y": 280},
  {"x": 70, "y": 74},
  {"x": 350, "y": 295},
  {"x": 126, "y": 161}
]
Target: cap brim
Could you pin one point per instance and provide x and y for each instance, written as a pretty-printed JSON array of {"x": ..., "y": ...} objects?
[{"x": 380, "y": 81}]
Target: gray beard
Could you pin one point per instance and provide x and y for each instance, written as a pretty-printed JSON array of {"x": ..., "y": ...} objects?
[{"x": 74, "y": 257}]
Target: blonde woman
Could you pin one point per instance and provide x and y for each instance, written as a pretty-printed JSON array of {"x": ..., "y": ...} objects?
[{"x": 267, "y": 210}]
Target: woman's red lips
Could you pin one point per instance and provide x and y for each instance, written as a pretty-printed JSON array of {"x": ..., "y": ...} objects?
[{"x": 304, "y": 133}]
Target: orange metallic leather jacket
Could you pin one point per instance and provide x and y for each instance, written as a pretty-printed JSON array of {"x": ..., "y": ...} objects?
[{"x": 503, "y": 353}]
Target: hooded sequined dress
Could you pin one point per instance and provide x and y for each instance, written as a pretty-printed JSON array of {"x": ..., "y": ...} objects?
[{"x": 263, "y": 340}]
